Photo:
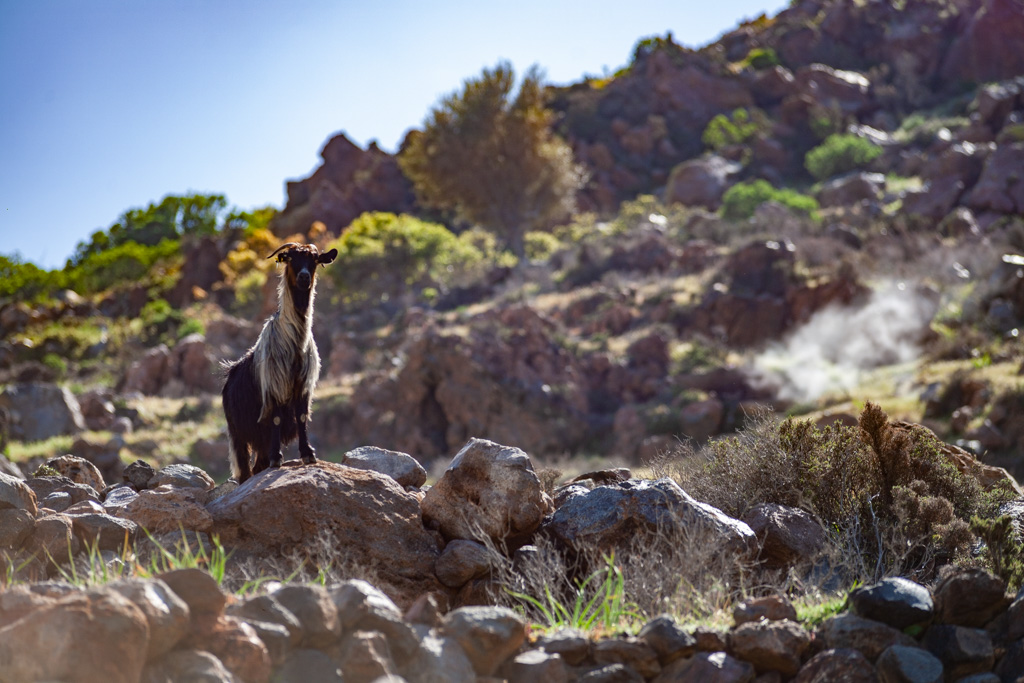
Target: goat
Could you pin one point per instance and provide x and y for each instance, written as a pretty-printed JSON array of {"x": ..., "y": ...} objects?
[{"x": 268, "y": 391}]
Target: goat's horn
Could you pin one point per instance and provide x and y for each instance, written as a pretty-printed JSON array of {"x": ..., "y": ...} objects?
[{"x": 286, "y": 245}]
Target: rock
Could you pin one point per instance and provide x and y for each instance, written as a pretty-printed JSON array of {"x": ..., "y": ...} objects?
[
  {"x": 192, "y": 665},
  {"x": 194, "y": 364},
  {"x": 786, "y": 536},
  {"x": 86, "y": 636},
  {"x": 104, "y": 532},
  {"x": 16, "y": 525},
  {"x": 708, "y": 667},
  {"x": 78, "y": 470},
  {"x": 138, "y": 474},
  {"x": 611, "y": 673},
  {"x": 105, "y": 455},
  {"x": 895, "y": 601},
  {"x": 182, "y": 476},
  {"x": 851, "y": 188},
  {"x": 53, "y": 540},
  {"x": 701, "y": 420},
  {"x": 276, "y": 639},
  {"x": 167, "y": 509},
  {"x": 770, "y": 608},
  {"x": 198, "y": 590},
  {"x": 668, "y": 640},
  {"x": 983, "y": 50},
  {"x": 963, "y": 651},
  {"x": 849, "y": 91},
  {"x": 999, "y": 188},
  {"x": 58, "y": 501},
  {"x": 634, "y": 653},
  {"x": 368, "y": 514},
  {"x": 970, "y": 597},
  {"x": 16, "y": 494},
  {"x": 236, "y": 644},
  {"x": 842, "y": 664},
  {"x": 265, "y": 609},
  {"x": 568, "y": 643},
  {"x": 701, "y": 181},
  {"x": 868, "y": 637},
  {"x": 488, "y": 635},
  {"x": 770, "y": 645},
  {"x": 462, "y": 561},
  {"x": 911, "y": 664},
  {"x": 401, "y": 467},
  {"x": 364, "y": 657},
  {"x": 487, "y": 489},
  {"x": 535, "y": 666},
  {"x": 118, "y": 498},
  {"x": 615, "y": 517},
  {"x": 441, "y": 660},
  {"x": 149, "y": 374},
  {"x": 165, "y": 612},
  {"x": 41, "y": 411},
  {"x": 315, "y": 610},
  {"x": 44, "y": 486}
]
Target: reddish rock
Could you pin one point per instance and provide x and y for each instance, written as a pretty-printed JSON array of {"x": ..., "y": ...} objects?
[
  {"x": 986, "y": 49},
  {"x": 787, "y": 536}
]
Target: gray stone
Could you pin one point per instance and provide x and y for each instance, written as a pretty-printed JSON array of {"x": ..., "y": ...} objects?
[
  {"x": 632, "y": 652},
  {"x": 902, "y": 664},
  {"x": 970, "y": 597},
  {"x": 308, "y": 665},
  {"x": 105, "y": 532},
  {"x": 401, "y": 467},
  {"x": 267, "y": 610},
  {"x": 895, "y": 601},
  {"x": 787, "y": 536},
  {"x": 190, "y": 665},
  {"x": 362, "y": 607},
  {"x": 707, "y": 667},
  {"x": 166, "y": 613},
  {"x": 771, "y": 645},
  {"x": 462, "y": 561},
  {"x": 869, "y": 637},
  {"x": 668, "y": 639},
  {"x": 843, "y": 664},
  {"x": 611, "y": 673},
  {"x": 963, "y": 651},
  {"x": 182, "y": 476},
  {"x": 15, "y": 526},
  {"x": 313, "y": 607},
  {"x": 572, "y": 645},
  {"x": 41, "y": 411},
  {"x": 138, "y": 474},
  {"x": 16, "y": 494},
  {"x": 488, "y": 635},
  {"x": 441, "y": 660}
]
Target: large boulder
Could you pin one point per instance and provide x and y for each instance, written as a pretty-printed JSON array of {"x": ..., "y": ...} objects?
[
  {"x": 1000, "y": 188},
  {"x": 367, "y": 514},
  {"x": 150, "y": 373},
  {"x": 490, "y": 490},
  {"x": 701, "y": 182},
  {"x": 16, "y": 494},
  {"x": 984, "y": 49},
  {"x": 40, "y": 411}
]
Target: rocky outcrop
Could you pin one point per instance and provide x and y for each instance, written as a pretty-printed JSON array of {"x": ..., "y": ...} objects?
[
  {"x": 349, "y": 182},
  {"x": 39, "y": 411}
]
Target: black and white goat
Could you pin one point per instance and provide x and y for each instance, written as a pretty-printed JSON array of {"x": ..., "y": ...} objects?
[{"x": 268, "y": 391}]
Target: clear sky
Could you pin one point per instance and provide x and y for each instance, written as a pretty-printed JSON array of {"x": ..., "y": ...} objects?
[{"x": 107, "y": 105}]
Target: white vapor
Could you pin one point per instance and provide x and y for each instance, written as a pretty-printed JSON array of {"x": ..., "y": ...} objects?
[{"x": 829, "y": 353}]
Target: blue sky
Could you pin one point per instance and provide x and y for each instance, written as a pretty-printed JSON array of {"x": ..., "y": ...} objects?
[{"x": 107, "y": 105}]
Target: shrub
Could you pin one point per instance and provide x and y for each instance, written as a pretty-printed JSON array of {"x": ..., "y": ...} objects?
[
  {"x": 128, "y": 262},
  {"x": 384, "y": 254},
  {"x": 25, "y": 280},
  {"x": 742, "y": 199},
  {"x": 736, "y": 129},
  {"x": 761, "y": 58},
  {"x": 541, "y": 245},
  {"x": 840, "y": 153}
]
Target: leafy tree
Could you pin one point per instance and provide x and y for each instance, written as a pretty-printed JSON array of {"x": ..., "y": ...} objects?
[{"x": 491, "y": 157}]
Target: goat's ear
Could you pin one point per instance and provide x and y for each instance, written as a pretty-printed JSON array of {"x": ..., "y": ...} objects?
[{"x": 327, "y": 257}]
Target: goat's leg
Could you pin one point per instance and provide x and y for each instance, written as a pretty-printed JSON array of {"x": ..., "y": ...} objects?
[
  {"x": 240, "y": 455},
  {"x": 301, "y": 408},
  {"x": 274, "y": 455}
]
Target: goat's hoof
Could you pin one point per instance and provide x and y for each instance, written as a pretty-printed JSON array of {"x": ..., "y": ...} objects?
[{"x": 308, "y": 459}]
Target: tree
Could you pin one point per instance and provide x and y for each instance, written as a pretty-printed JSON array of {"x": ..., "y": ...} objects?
[{"x": 493, "y": 159}]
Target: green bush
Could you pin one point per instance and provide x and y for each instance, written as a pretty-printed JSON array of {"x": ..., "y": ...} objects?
[
  {"x": 383, "y": 254},
  {"x": 761, "y": 58},
  {"x": 128, "y": 262},
  {"x": 742, "y": 199},
  {"x": 541, "y": 245},
  {"x": 736, "y": 129},
  {"x": 26, "y": 281},
  {"x": 840, "y": 153}
]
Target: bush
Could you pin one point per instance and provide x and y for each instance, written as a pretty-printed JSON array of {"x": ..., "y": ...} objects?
[
  {"x": 736, "y": 129},
  {"x": 840, "y": 153},
  {"x": 761, "y": 58},
  {"x": 742, "y": 199},
  {"x": 26, "y": 281},
  {"x": 383, "y": 254},
  {"x": 128, "y": 262}
]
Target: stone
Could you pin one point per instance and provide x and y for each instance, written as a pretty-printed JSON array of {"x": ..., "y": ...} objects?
[
  {"x": 700, "y": 420},
  {"x": 266, "y": 609},
  {"x": 237, "y": 645},
  {"x": 364, "y": 608},
  {"x": 770, "y": 645},
  {"x": 842, "y": 664},
  {"x": 462, "y": 561},
  {"x": 192, "y": 665},
  {"x": 197, "y": 589},
  {"x": 193, "y": 363},
  {"x": 611, "y": 673},
  {"x": 701, "y": 181},
  {"x": 970, "y": 597},
  {"x": 313, "y": 606},
  {"x": 182, "y": 476},
  {"x": 535, "y": 666},
  {"x": 41, "y": 411},
  {"x": 769, "y": 607},
  {"x": 668, "y": 639},
  {"x": 787, "y": 536},
  {"x": 88, "y": 636},
  {"x": 999, "y": 189},
  {"x": 52, "y": 539},
  {"x": 367, "y": 513},
  {"x": 870, "y": 638},
  {"x": 148, "y": 374},
  {"x": 569, "y": 643},
  {"x": 895, "y": 601},
  {"x": 963, "y": 651},
  {"x": 707, "y": 667},
  {"x": 851, "y": 189},
  {"x": 488, "y": 635},
  {"x": 118, "y": 498},
  {"x": 275, "y": 637},
  {"x": 364, "y": 657},
  {"x": 983, "y": 49},
  {"x": 900, "y": 663},
  {"x": 614, "y": 517},
  {"x": 16, "y": 494},
  {"x": 15, "y": 526},
  {"x": 138, "y": 474},
  {"x": 166, "y": 509},
  {"x": 104, "y": 532},
  {"x": 440, "y": 659},
  {"x": 401, "y": 467},
  {"x": 634, "y": 653},
  {"x": 487, "y": 489},
  {"x": 78, "y": 470},
  {"x": 44, "y": 486},
  {"x": 165, "y": 612}
]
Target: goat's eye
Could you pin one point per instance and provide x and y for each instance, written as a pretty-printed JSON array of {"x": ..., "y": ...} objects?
[{"x": 281, "y": 258}]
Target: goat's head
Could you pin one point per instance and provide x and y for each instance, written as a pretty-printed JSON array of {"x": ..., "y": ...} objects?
[{"x": 301, "y": 261}]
